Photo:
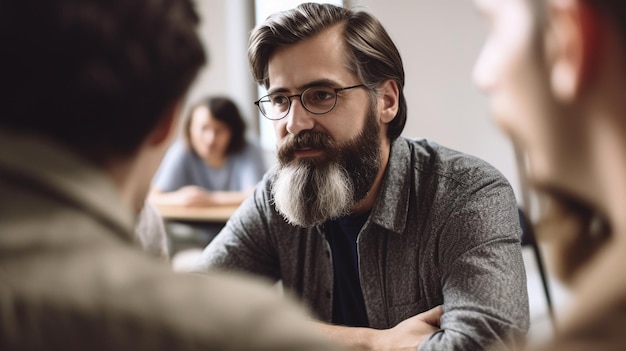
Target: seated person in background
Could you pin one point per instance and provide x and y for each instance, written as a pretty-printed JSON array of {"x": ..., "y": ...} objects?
[
  {"x": 372, "y": 230},
  {"x": 90, "y": 100},
  {"x": 215, "y": 165},
  {"x": 555, "y": 75}
]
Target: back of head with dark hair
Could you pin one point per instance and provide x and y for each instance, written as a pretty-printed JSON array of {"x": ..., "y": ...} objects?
[
  {"x": 371, "y": 54},
  {"x": 95, "y": 75},
  {"x": 224, "y": 110}
]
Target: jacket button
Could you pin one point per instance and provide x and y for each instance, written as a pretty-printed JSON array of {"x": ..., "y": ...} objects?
[{"x": 327, "y": 294}]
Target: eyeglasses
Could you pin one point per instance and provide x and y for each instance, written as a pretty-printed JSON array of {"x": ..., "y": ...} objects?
[{"x": 318, "y": 100}]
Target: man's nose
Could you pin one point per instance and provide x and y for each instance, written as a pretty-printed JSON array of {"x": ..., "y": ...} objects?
[{"x": 298, "y": 118}]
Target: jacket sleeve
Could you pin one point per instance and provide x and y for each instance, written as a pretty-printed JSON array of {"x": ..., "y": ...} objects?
[
  {"x": 482, "y": 272},
  {"x": 245, "y": 243}
]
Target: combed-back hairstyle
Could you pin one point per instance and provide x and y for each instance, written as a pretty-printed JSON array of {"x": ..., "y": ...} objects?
[
  {"x": 224, "y": 110},
  {"x": 371, "y": 54},
  {"x": 95, "y": 75}
]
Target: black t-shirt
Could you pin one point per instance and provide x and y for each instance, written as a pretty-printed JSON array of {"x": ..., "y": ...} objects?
[{"x": 348, "y": 304}]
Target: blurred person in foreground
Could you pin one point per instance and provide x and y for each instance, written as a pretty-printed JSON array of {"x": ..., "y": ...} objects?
[
  {"x": 372, "y": 230},
  {"x": 150, "y": 232},
  {"x": 555, "y": 75},
  {"x": 91, "y": 93}
]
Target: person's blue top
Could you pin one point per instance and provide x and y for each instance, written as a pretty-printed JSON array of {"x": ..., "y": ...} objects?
[{"x": 181, "y": 167}]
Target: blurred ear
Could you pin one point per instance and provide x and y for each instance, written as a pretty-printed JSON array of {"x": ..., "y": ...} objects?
[
  {"x": 166, "y": 128},
  {"x": 573, "y": 42},
  {"x": 388, "y": 100}
]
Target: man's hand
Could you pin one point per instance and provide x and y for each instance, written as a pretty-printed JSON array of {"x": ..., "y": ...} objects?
[{"x": 407, "y": 335}]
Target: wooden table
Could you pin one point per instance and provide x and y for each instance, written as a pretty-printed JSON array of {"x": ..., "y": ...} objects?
[{"x": 214, "y": 214}]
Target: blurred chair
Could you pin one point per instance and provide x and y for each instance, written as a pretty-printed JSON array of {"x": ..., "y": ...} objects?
[{"x": 528, "y": 240}]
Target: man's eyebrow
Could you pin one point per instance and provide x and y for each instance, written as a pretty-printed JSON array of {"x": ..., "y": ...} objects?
[{"x": 315, "y": 83}]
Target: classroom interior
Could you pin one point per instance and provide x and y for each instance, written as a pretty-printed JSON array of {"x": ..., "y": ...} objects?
[{"x": 439, "y": 41}]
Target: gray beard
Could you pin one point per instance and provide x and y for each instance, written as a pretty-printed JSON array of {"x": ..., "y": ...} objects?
[
  {"x": 310, "y": 192},
  {"x": 307, "y": 196}
]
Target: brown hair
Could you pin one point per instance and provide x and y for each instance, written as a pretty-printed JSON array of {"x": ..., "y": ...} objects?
[
  {"x": 226, "y": 111},
  {"x": 372, "y": 55},
  {"x": 96, "y": 76},
  {"x": 615, "y": 10}
]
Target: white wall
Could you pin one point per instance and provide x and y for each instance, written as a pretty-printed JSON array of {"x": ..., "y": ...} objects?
[
  {"x": 439, "y": 41},
  {"x": 224, "y": 28}
]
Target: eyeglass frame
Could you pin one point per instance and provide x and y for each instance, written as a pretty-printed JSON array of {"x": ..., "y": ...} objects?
[{"x": 289, "y": 97}]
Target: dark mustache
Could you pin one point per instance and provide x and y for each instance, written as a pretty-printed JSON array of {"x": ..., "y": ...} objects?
[{"x": 304, "y": 139}]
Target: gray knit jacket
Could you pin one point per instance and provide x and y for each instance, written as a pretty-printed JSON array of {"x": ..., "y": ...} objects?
[{"x": 443, "y": 230}]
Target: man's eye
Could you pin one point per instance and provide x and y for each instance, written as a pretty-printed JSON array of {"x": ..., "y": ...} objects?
[
  {"x": 278, "y": 100},
  {"x": 321, "y": 95}
]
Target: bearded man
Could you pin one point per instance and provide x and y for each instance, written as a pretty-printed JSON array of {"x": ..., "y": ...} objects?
[{"x": 393, "y": 243}]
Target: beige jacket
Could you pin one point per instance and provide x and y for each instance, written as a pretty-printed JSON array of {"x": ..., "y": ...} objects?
[
  {"x": 73, "y": 278},
  {"x": 150, "y": 232}
]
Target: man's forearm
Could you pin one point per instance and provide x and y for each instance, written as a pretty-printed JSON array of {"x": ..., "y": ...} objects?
[
  {"x": 406, "y": 336},
  {"x": 352, "y": 338}
]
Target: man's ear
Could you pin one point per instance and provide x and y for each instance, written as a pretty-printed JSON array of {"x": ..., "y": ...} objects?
[
  {"x": 388, "y": 100},
  {"x": 573, "y": 46},
  {"x": 166, "y": 127}
]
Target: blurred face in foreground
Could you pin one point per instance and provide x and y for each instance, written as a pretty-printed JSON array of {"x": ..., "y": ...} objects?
[
  {"x": 553, "y": 72},
  {"x": 512, "y": 70}
]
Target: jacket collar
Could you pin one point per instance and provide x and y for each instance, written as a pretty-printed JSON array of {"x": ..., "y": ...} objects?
[{"x": 392, "y": 204}]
